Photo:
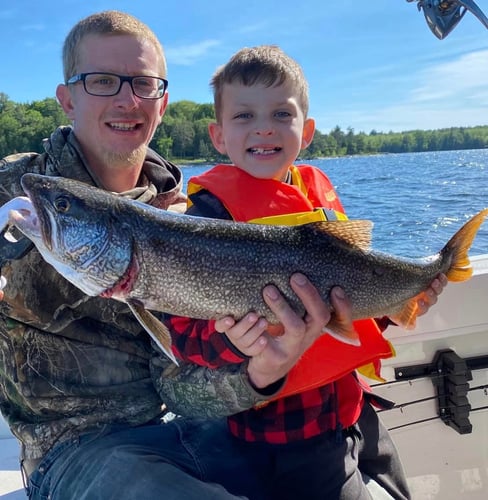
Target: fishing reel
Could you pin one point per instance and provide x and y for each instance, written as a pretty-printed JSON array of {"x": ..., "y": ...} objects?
[{"x": 442, "y": 16}]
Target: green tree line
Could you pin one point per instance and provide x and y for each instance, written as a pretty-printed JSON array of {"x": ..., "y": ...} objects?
[{"x": 183, "y": 133}]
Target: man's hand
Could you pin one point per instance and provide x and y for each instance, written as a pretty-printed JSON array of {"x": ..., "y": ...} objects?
[
  {"x": 431, "y": 295},
  {"x": 429, "y": 298}
]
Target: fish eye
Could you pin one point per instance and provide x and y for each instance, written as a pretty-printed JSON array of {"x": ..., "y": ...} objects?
[{"x": 62, "y": 204}]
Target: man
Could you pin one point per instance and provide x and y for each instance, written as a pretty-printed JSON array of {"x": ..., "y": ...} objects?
[{"x": 78, "y": 374}]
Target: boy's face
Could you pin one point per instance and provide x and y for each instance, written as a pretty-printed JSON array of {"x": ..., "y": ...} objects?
[{"x": 262, "y": 129}]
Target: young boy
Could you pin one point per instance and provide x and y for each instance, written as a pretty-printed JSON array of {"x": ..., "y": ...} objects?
[{"x": 309, "y": 443}]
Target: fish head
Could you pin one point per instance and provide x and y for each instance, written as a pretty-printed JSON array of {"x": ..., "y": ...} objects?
[{"x": 75, "y": 228}]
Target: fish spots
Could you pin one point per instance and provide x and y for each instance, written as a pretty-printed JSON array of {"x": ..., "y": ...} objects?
[{"x": 379, "y": 271}]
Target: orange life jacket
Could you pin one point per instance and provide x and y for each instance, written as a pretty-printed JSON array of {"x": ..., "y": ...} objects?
[{"x": 248, "y": 199}]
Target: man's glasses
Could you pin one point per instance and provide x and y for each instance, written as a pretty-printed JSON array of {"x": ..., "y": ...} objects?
[{"x": 109, "y": 84}]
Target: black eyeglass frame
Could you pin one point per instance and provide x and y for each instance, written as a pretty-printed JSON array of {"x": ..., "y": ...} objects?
[{"x": 81, "y": 77}]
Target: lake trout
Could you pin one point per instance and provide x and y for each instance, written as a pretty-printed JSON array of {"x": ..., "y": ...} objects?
[{"x": 115, "y": 247}]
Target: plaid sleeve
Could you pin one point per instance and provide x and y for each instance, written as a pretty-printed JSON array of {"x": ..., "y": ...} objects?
[{"x": 196, "y": 341}]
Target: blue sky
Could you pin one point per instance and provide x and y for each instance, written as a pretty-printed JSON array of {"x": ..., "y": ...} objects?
[{"x": 370, "y": 64}]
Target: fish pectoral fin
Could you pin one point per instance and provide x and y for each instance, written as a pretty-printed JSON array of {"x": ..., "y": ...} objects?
[
  {"x": 356, "y": 233},
  {"x": 156, "y": 329},
  {"x": 342, "y": 334},
  {"x": 276, "y": 330},
  {"x": 407, "y": 317}
]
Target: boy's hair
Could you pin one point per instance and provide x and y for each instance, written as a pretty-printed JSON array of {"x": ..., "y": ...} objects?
[
  {"x": 107, "y": 23},
  {"x": 265, "y": 64}
]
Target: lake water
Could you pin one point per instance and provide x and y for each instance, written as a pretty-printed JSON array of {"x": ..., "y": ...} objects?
[{"x": 417, "y": 201}]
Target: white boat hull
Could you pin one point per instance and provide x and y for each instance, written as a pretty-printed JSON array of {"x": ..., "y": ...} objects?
[{"x": 440, "y": 462}]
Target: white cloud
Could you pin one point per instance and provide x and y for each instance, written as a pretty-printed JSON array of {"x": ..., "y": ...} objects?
[
  {"x": 187, "y": 55},
  {"x": 454, "y": 79},
  {"x": 450, "y": 94},
  {"x": 426, "y": 117},
  {"x": 253, "y": 28},
  {"x": 7, "y": 14},
  {"x": 32, "y": 27}
]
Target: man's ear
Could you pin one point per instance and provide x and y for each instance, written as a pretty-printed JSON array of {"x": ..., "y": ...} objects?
[
  {"x": 164, "y": 105},
  {"x": 217, "y": 138},
  {"x": 308, "y": 132},
  {"x": 65, "y": 99}
]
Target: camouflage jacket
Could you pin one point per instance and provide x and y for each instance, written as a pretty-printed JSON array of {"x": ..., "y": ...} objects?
[{"x": 70, "y": 363}]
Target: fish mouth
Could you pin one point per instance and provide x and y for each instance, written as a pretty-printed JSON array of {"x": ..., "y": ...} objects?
[
  {"x": 23, "y": 216},
  {"x": 35, "y": 221}
]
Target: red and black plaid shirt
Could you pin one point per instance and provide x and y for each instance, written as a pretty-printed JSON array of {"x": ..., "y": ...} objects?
[{"x": 292, "y": 418}]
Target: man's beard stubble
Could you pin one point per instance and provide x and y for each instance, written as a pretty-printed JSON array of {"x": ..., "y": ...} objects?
[{"x": 128, "y": 159}]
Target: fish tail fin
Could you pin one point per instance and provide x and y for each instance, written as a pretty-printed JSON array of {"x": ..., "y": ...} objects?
[
  {"x": 459, "y": 245},
  {"x": 460, "y": 269}
]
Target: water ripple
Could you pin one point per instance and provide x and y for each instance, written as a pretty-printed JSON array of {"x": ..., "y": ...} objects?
[{"x": 417, "y": 201}]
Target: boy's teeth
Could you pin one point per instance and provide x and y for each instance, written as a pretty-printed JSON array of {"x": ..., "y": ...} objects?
[{"x": 263, "y": 151}]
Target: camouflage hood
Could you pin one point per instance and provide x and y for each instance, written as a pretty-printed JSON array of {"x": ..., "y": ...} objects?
[{"x": 70, "y": 363}]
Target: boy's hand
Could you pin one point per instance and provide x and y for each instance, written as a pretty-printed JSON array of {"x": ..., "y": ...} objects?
[
  {"x": 282, "y": 353},
  {"x": 251, "y": 336},
  {"x": 248, "y": 335}
]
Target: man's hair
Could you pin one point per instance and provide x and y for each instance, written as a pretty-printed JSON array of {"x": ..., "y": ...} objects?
[
  {"x": 267, "y": 65},
  {"x": 108, "y": 23}
]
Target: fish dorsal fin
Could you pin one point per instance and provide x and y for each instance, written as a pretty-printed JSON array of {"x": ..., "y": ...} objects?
[{"x": 355, "y": 233}]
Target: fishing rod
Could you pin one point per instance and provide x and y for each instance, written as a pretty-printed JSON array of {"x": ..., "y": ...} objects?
[
  {"x": 450, "y": 375},
  {"x": 443, "y": 16}
]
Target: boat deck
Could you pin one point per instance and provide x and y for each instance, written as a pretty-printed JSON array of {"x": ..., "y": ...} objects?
[{"x": 11, "y": 487}]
